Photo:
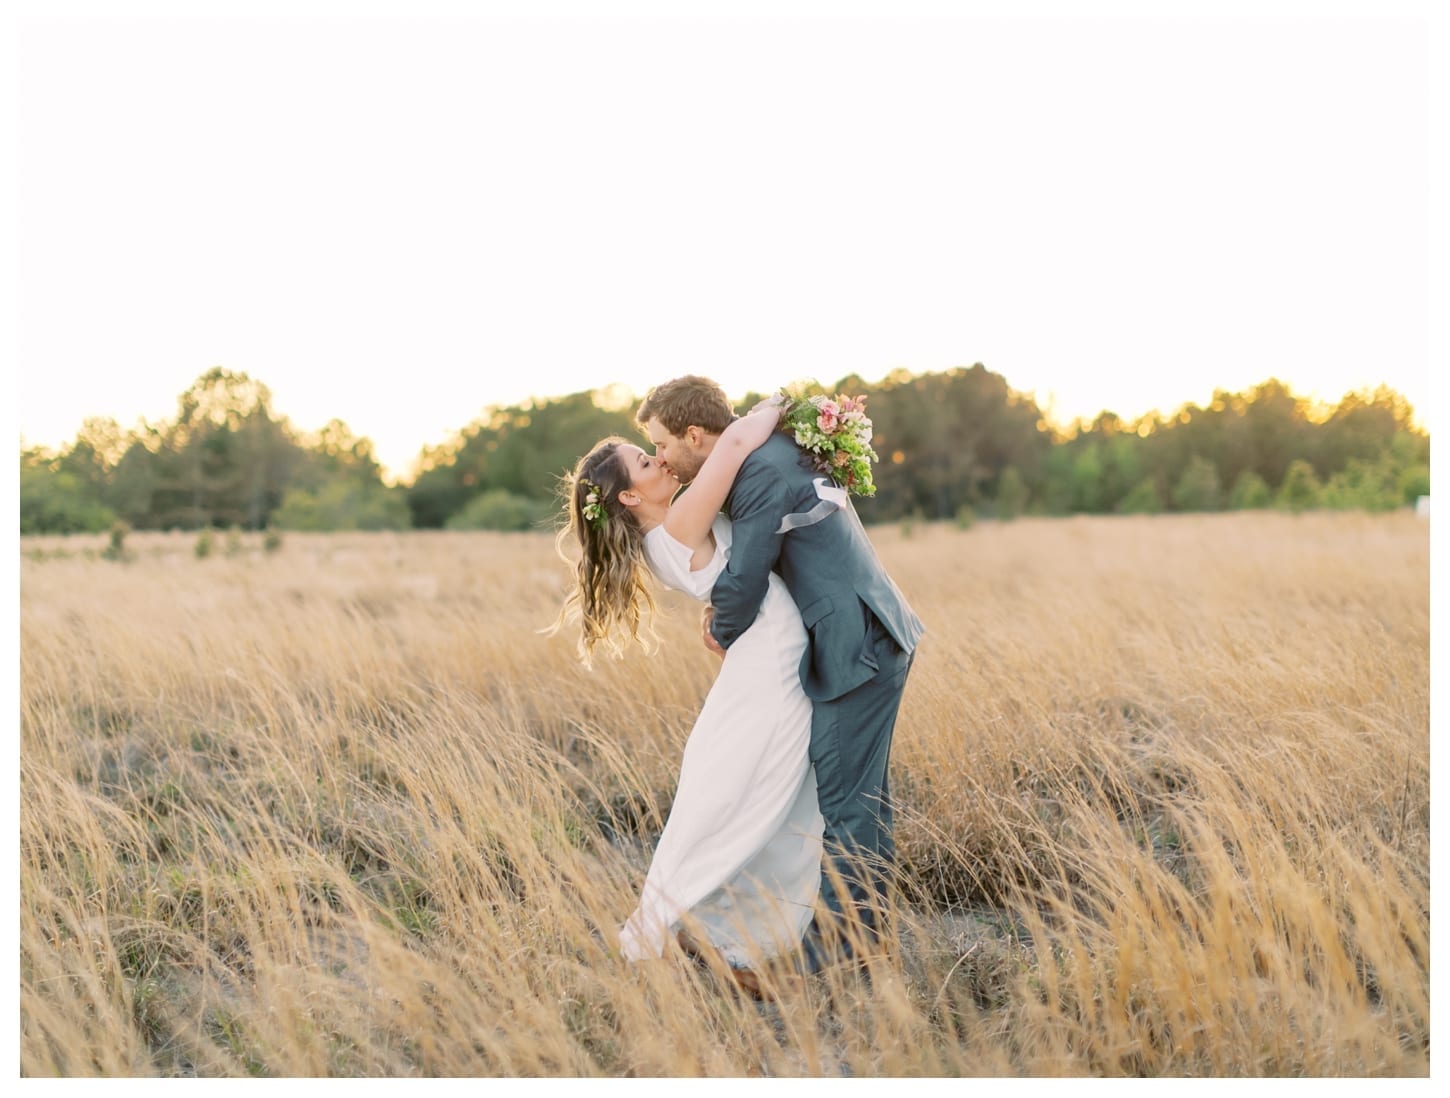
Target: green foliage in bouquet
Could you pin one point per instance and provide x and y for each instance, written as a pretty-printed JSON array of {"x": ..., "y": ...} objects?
[{"x": 836, "y": 432}]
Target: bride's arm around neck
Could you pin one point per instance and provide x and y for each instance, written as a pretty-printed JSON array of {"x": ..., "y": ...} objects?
[{"x": 692, "y": 514}]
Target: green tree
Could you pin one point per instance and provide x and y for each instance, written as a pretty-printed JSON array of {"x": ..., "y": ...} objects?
[
  {"x": 1414, "y": 482},
  {"x": 1365, "y": 485},
  {"x": 137, "y": 476},
  {"x": 945, "y": 438},
  {"x": 1087, "y": 478},
  {"x": 1011, "y": 493},
  {"x": 344, "y": 505},
  {"x": 1198, "y": 489},
  {"x": 1144, "y": 499},
  {"x": 1363, "y": 426},
  {"x": 1250, "y": 491},
  {"x": 1409, "y": 453},
  {"x": 1057, "y": 480},
  {"x": 54, "y": 502},
  {"x": 1300, "y": 489},
  {"x": 92, "y": 455},
  {"x": 335, "y": 453},
  {"x": 522, "y": 450},
  {"x": 498, "y": 509},
  {"x": 1122, "y": 465},
  {"x": 1277, "y": 430},
  {"x": 226, "y": 459}
]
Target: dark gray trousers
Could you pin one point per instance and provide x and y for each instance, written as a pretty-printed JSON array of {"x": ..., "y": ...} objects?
[{"x": 850, "y": 746}]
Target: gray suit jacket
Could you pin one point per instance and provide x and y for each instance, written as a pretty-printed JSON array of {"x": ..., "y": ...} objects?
[{"x": 828, "y": 565}]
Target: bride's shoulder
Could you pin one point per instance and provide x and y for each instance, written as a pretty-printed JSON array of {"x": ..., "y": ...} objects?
[
  {"x": 670, "y": 561},
  {"x": 660, "y": 544},
  {"x": 657, "y": 540},
  {"x": 663, "y": 552}
]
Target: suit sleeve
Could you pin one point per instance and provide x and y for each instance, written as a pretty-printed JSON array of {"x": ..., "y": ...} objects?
[{"x": 757, "y": 503}]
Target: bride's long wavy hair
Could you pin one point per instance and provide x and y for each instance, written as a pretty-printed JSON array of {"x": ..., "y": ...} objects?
[{"x": 611, "y": 597}]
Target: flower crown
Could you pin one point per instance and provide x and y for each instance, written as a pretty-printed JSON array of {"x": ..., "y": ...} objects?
[{"x": 593, "y": 508}]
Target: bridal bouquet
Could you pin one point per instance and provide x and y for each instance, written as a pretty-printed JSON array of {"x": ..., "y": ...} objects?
[{"x": 837, "y": 434}]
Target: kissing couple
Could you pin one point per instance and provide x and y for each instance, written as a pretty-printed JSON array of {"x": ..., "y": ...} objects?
[{"x": 782, "y": 804}]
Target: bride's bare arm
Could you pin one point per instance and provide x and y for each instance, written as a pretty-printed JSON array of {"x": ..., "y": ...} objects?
[{"x": 690, "y": 516}]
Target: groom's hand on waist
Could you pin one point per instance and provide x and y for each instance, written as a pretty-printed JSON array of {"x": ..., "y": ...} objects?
[{"x": 710, "y": 642}]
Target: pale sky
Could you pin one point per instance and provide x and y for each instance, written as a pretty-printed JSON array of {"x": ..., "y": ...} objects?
[{"x": 400, "y": 214}]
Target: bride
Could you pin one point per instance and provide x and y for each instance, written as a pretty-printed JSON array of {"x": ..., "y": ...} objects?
[{"x": 739, "y": 861}]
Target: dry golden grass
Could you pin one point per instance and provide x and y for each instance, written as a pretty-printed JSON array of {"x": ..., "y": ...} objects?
[{"x": 340, "y": 810}]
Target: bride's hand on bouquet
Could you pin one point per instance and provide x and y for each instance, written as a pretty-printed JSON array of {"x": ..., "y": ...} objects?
[{"x": 775, "y": 402}]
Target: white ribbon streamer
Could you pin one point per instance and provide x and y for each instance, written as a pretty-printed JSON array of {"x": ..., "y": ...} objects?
[{"x": 833, "y": 498}]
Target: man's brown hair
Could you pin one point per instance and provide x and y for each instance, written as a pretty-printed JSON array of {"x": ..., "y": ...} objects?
[{"x": 688, "y": 401}]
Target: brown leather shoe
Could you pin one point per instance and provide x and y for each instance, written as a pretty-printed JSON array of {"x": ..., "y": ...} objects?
[
  {"x": 766, "y": 988},
  {"x": 691, "y": 946}
]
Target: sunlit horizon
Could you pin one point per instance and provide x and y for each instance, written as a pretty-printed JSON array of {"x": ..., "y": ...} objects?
[{"x": 399, "y": 457}]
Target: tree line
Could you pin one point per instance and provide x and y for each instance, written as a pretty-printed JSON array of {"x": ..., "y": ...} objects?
[{"x": 957, "y": 445}]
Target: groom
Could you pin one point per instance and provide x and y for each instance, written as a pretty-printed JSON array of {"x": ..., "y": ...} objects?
[{"x": 862, "y": 637}]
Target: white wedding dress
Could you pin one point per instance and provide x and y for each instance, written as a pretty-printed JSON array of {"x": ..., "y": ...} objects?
[{"x": 741, "y": 850}]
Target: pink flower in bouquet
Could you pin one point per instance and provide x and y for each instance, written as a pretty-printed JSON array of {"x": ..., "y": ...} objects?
[{"x": 836, "y": 433}]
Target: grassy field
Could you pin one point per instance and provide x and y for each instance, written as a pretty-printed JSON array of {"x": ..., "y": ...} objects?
[{"x": 341, "y": 809}]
